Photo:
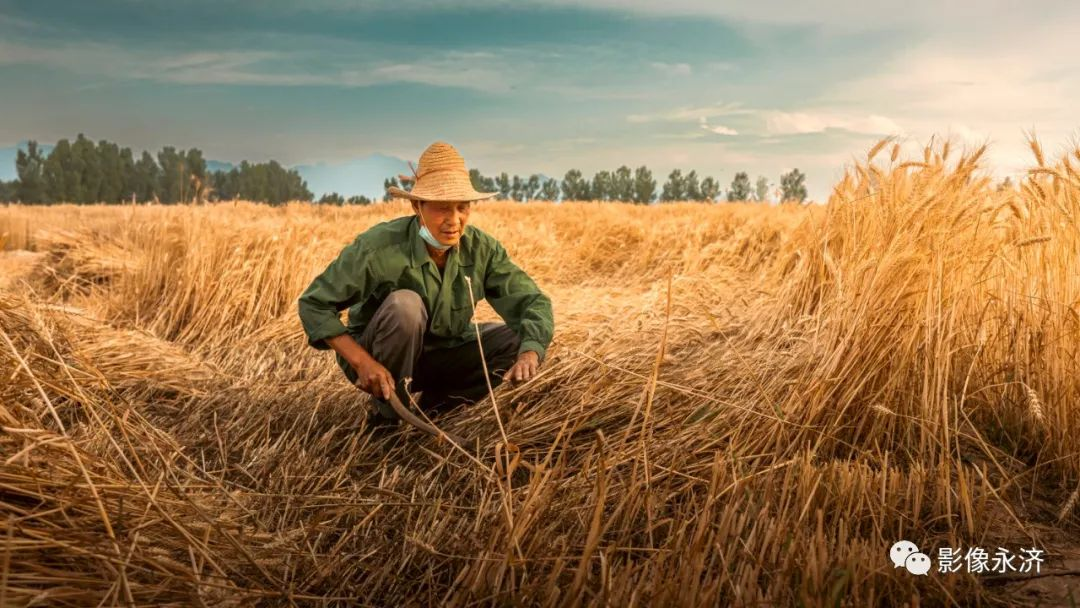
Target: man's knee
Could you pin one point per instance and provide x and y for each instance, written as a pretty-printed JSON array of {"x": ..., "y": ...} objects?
[
  {"x": 502, "y": 343},
  {"x": 405, "y": 308}
]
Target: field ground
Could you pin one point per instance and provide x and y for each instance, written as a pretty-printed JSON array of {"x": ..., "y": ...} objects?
[{"x": 743, "y": 405}]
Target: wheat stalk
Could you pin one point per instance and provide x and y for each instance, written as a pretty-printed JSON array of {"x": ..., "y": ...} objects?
[
  {"x": 881, "y": 409},
  {"x": 1069, "y": 505},
  {"x": 1032, "y": 241},
  {"x": 1035, "y": 405},
  {"x": 228, "y": 455}
]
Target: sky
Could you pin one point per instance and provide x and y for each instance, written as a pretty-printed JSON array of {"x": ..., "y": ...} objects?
[{"x": 531, "y": 86}]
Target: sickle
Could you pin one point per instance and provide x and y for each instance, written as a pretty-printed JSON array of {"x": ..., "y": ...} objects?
[{"x": 414, "y": 420}]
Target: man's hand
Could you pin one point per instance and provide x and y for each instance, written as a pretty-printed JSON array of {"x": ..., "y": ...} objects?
[
  {"x": 375, "y": 379},
  {"x": 524, "y": 368}
]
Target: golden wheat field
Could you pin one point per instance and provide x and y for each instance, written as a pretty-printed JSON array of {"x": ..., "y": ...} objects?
[{"x": 743, "y": 405}]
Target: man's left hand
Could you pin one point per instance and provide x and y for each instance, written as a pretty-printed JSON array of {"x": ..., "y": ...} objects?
[{"x": 524, "y": 368}]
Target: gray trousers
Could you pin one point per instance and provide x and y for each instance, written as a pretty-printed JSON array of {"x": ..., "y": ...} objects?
[{"x": 446, "y": 376}]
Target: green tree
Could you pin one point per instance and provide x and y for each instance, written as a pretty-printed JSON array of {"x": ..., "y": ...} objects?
[
  {"x": 266, "y": 183},
  {"x": 675, "y": 187},
  {"x": 575, "y": 187},
  {"x": 226, "y": 184},
  {"x": 644, "y": 186},
  {"x": 358, "y": 200},
  {"x": 147, "y": 176},
  {"x": 87, "y": 169},
  {"x": 171, "y": 176},
  {"x": 602, "y": 186},
  {"x": 793, "y": 186},
  {"x": 710, "y": 189},
  {"x": 195, "y": 173},
  {"x": 332, "y": 198},
  {"x": 84, "y": 172},
  {"x": 128, "y": 179},
  {"x": 111, "y": 166},
  {"x": 504, "y": 185},
  {"x": 622, "y": 185},
  {"x": 61, "y": 178},
  {"x": 691, "y": 187},
  {"x": 532, "y": 187},
  {"x": 517, "y": 188},
  {"x": 393, "y": 181},
  {"x": 251, "y": 183},
  {"x": 177, "y": 170},
  {"x": 481, "y": 183},
  {"x": 550, "y": 190},
  {"x": 30, "y": 166},
  {"x": 298, "y": 188},
  {"x": 740, "y": 187},
  {"x": 9, "y": 191},
  {"x": 761, "y": 189}
]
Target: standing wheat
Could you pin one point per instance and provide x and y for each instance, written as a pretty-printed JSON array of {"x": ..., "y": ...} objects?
[{"x": 1035, "y": 404}]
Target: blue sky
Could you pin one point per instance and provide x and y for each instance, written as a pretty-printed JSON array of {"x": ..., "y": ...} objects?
[{"x": 532, "y": 86}]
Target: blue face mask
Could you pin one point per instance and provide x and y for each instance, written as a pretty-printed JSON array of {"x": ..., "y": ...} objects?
[{"x": 430, "y": 238}]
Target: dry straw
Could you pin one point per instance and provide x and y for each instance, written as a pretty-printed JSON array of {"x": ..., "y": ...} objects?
[
  {"x": 1070, "y": 504},
  {"x": 809, "y": 386}
]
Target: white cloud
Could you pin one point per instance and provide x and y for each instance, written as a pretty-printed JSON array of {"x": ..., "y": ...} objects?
[
  {"x": 691, "y": 113},
  {"x": 718, "y": 129},
  {"x": 473, "y": 70},
  {"x": 790, "y": 123},
  {"x": 721, "y": 66},
  {"x": 677, "y": 69},
  {"x": 847, "y": 14},
  {"x": 991, "y": 92},
  {"x": 482, "y": 76},
  {"x": 775, "y": 122}
]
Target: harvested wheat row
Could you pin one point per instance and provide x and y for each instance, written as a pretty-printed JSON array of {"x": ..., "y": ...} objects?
[{"x": 830, "y": 382}]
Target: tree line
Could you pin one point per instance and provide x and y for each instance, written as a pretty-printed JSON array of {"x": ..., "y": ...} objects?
[
  {"x": 633, "y": 186},
  {"x": 86, "y": 172},
  {"x": 333, "y": 198}
]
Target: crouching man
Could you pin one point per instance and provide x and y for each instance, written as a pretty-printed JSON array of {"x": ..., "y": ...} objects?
[{"x": 407, "y": 282}]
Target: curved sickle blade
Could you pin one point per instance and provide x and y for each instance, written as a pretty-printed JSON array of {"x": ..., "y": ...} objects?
[{"x": 414, "y": 420}]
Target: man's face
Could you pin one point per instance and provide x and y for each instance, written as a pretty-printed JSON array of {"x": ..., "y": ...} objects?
[{"x": 446, "y": 221}]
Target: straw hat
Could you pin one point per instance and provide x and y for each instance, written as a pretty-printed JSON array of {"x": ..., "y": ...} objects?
[{"x": 440, "y": 176}]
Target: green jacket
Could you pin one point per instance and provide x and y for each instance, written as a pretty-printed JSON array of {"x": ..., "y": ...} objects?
[{"x": 391, "y": 255}]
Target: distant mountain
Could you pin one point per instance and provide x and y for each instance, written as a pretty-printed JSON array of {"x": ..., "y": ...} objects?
[
  {"x": 7, "y": 159},
  {"x": 7, "y": 163},
  {"x": 219, "y": 165},
  {"x": 357, "y": 176},
  {"x": 362, "y": 176}
]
